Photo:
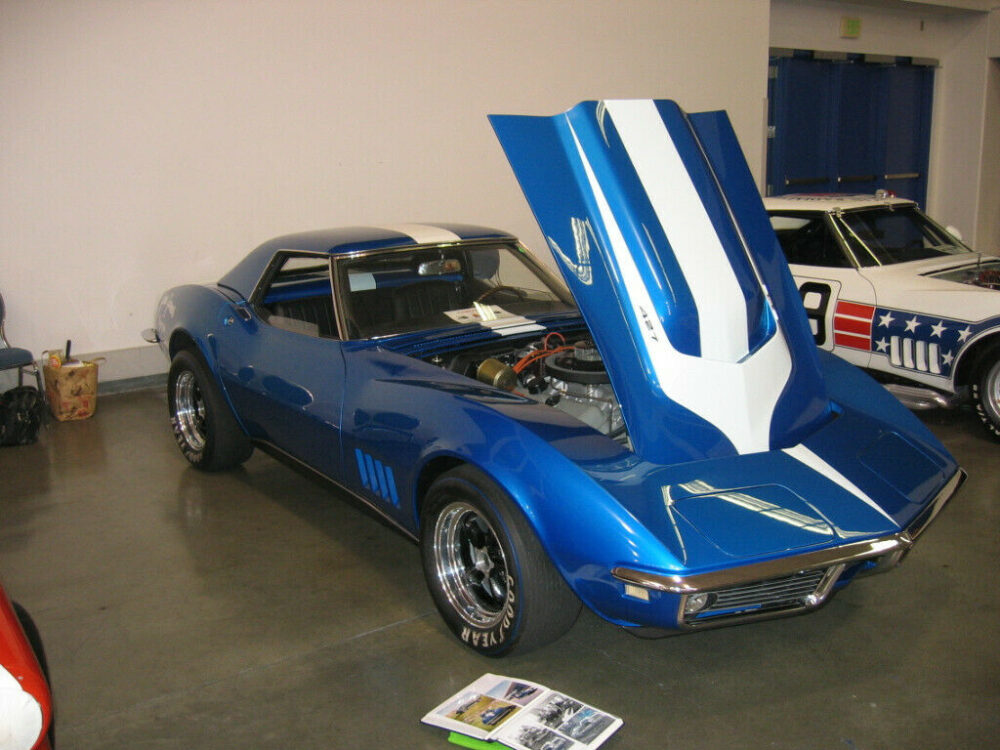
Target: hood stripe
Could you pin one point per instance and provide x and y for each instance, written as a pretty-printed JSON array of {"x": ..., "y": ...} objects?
[
  {"x": 722, "y": 312},
  {"x": 655, "y": 222},
  {"x": 817, "y": 464},
  {"x": 739, "y": 398}
]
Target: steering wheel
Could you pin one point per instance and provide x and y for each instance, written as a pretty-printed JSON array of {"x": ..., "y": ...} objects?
[{"x": 519, "y": 293}]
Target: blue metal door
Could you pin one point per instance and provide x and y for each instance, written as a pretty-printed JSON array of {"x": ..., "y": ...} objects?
[
  {"x": 848, "y": 125},
  {"x": 857, "y": 127},
  {"x": 287, "y": 388},
  {"x": 908, "y": 90},
  {"x": 799, "y": 154}
]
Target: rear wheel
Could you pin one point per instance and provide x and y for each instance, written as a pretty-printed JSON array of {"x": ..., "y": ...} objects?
[
  {"x": 986, "y": 391},
  {"x": 204, "y": 426},
  {"x": 489, "y": 577}
]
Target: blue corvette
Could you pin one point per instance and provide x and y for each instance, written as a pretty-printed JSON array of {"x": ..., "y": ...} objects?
[{"x": 657, "y": 437}]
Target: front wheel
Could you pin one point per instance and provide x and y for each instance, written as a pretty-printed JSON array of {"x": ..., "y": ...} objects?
[
  {"x": 204, "y": 426},
  {"x": 489, "y": 577},
  {"x": 986, "y": 392}
]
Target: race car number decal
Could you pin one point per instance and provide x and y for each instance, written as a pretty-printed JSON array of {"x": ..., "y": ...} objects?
[
  {"x": 816, "y": 299},
  {"x": 852, "y": 321}
]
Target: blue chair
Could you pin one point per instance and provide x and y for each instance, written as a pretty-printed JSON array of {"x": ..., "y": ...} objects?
[{"x": 12, "y": 356}]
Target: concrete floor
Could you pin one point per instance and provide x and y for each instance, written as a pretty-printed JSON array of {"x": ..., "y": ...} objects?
[{"x": 257, "y": 609}]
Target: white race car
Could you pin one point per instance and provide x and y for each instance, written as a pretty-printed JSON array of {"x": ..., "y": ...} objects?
[{"x": 891, "y": 291}]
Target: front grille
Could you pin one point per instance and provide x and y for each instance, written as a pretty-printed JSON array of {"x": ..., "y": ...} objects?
[{"x": 789, "y": 592}]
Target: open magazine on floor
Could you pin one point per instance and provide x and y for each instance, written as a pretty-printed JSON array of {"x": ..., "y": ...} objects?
[{"x": 523, "y": 715}]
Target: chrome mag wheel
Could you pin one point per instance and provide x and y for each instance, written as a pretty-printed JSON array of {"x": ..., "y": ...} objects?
[
  {"x": 190, "y": 411},
  {"x": 205, "y": 426},
  {"x": 470, "y": 565}
]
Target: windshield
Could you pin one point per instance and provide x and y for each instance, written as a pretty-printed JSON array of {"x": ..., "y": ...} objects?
[
  {"x": 401, "y": 291},
  {"x": 883, "y": 236}
]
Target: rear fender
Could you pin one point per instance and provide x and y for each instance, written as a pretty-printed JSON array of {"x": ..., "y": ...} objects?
[
  {"x": 194, "y": 317},
  {"x": 972, "y": 359}
]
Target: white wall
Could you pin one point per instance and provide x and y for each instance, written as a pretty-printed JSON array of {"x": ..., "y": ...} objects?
[
  {"x": 958, "y": 39},
  {"x": 988, "y": 234},
  {"x": 994, "y": 49},
  {"x": 153, "y": 142},
  {"x": 958, "y": 132},
  {"x": 989, "y": 197}
]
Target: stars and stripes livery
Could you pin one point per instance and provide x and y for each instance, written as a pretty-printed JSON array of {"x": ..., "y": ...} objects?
[
  {"x": 928, "y": 344},
  {"x": 852, "y": 325}
]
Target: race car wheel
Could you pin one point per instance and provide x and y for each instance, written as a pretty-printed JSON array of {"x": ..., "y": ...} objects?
[
  {"x": 986, "y": 392},
  {"x": 489, "y": 577},
  {"x": 204, "y": 426}
]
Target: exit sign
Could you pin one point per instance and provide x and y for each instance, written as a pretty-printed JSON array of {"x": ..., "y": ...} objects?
[{"x": 850, "y": 28}]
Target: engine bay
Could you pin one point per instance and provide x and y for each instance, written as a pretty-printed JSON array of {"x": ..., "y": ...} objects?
[
  {"x": 984, "y": 274},
  {"x": 565, "y": 372}
]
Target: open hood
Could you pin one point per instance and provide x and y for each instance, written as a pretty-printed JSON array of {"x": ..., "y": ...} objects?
[
  {"x": 985, "y": 273},
  {"x": 658, "y": 228}
]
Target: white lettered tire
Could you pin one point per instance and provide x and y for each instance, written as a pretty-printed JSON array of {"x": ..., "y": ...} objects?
[
  {"x": 986, "y": 392},
  {"x": 204, "y": 426},
  {"x": 489, "y": 577}
]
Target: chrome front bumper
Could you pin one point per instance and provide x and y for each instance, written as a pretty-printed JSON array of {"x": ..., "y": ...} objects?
[{"x": 786, "y": 585}]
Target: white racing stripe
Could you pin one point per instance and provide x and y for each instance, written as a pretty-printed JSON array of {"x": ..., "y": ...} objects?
[
  {"x": 737, "y": 397},
  {"x": 817, "y": 464},
  {"x": 722, "y": 314},
  {"x": 424, "y": 234}
]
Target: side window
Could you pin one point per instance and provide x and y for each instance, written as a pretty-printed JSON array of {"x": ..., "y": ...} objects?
[
  {"x": 299, "y": 296},
  {"x": 807, "y": 240}
]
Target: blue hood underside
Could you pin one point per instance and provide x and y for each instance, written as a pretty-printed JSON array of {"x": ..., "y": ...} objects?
[{"x": 657, "y": 227}]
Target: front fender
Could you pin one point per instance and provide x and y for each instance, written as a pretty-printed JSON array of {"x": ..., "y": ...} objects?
[
  {"x": 850, "y": 385},
  {"x": 537, "y": 455}
]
